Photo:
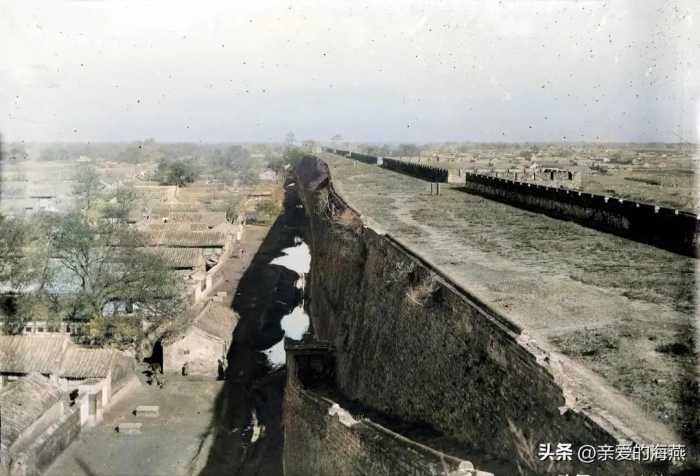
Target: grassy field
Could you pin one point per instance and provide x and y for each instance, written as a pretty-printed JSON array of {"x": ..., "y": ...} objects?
[{"x": 658, "y": 173}]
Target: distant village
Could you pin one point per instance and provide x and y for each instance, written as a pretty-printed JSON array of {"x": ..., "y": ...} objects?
[{"x": 52, "y": 359}]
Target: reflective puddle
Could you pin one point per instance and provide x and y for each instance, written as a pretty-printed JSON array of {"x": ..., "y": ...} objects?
[{"x": 296, "y": 323}]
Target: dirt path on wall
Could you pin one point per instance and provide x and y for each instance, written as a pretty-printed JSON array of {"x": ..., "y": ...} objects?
[{"x": 246, "y": 425}]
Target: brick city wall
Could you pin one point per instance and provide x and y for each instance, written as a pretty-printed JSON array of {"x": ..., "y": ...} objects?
[
  {"x": 324, "y": 440},
  {"x": 367, "y": 159},
  {"x": 666, "y": 228},
  {"x": 425, "y": 172},
  {"x": 412, "y": 344}
]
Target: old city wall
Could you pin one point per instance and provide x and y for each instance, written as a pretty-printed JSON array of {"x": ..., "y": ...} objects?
[
  {"x": 425, "y": 172},
  {"x": 414, "y": 345},
  {"x": 367, "y": 159},
  {"x": 421, "y": 171},
  {"x": 324, "y": 440},
  {"x": 667, "y": 228}
]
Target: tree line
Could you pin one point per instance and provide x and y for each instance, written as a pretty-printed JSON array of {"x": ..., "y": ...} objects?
[{"x": 86, "y": 266}]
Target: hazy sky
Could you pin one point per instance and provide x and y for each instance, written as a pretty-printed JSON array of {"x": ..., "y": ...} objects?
[{"x": 370, "y": 71}]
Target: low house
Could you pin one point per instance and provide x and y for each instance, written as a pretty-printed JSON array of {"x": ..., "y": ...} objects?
[
  {"x": 186, "y": 239},
  {"x": 40, "y": 353},
  {"x": 204, "y": 345},
  {"x": 92, "y": 376}
]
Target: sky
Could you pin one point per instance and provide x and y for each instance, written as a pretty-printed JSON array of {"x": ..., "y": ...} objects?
[{"x": 371, "y": 71}]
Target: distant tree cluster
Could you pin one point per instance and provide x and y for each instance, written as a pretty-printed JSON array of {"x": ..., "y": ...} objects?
[
  {"x": 16, "y": 152},
  {"x": 408, "y": 150},
  {"x": 87, "y": 265},
  {"x": 267, "y": 210},
  {"x": 289, "y": 158},
  {"x": 13, "y": 238},
  {"x": 177, "y": 172},
  {"x": 101, "y": 273}
]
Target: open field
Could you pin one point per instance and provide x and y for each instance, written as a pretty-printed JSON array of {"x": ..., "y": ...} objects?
[
  {"x": 663, "y": 174},
  {"x": 622, "y": 309}
]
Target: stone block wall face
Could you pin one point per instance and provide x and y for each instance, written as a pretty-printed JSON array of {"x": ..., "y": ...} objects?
[
  {"x": 410, "y": 345},
  {"x": 660, "y": 226}
]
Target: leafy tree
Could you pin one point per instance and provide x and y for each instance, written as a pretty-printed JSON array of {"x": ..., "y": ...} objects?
[
  {"x": 150, "y": 151},
  {"x": 379, "y": 150},
  {"x": 13, "y": 239},
  {"x": 54, "y": 152},
  {"x": 41, "y": 228},
  {"x": 409, "y": 150},
  {"x": 178, "y": 172},
  {"x": 118, "y": 204},
  {"x": 277, "y": 163},
  {"x": 87, "y": 186},
  {"x": 113, "y": 272},
  {"x": 24, "y": 267},
  {"x": 267, "y": 210},
  {"x": 17, "y": 152},
  {"x": 228, "y": 158},
  {"x": 249, "y": 175},
  {"x": 35, "y": 306},
  {"x": 24, "y": 252},
  {"x": 234, "y": 208}
]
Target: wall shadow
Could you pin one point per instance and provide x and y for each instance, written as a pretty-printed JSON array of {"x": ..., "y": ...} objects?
[{"x": 246, "y": 427}]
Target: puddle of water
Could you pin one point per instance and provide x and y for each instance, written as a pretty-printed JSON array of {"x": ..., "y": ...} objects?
[
  {"x": 275, "y": 355},
  {"x": 297, "y": 258},
  {"x": 296, "y": 323}
]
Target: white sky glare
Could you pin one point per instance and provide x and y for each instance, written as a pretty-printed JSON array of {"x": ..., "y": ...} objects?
[{"x": 400, "y": 71}]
